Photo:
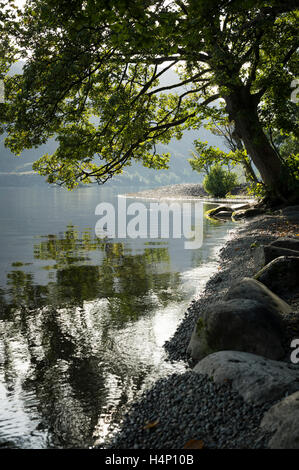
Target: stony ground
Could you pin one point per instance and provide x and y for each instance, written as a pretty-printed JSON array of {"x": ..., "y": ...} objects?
[{"x": 189, "y": 408}]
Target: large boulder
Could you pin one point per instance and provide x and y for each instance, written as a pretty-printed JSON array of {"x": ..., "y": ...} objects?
[
  {"x": 249, "y": 288},
  {"x": 238, "y": 325},
  {"x": 290, "y": 209},
  {"x": 272, "y": 252},
  {"x": 281, "y": 275},
  {"x": 255, "y": 378},
  {"x": 283, "y": 419},
  {"x": 291, "y": 213},
  {"x": 247, "y": 213},
  {"x": 286, "y": 242}
]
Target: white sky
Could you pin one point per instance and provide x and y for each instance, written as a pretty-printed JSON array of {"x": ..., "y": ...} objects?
[{"x": 19, "y": 3}]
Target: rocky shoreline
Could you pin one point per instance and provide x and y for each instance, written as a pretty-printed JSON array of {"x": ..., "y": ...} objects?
[
  {"x": 231, "y": 398},
  {"x": 242, "y": 256}
]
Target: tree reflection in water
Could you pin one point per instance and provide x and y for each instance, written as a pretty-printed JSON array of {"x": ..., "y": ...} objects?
[{"x": 72, "y": 332}]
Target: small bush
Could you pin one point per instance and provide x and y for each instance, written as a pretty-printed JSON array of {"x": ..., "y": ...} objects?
[{"x": 219, "y": 182}]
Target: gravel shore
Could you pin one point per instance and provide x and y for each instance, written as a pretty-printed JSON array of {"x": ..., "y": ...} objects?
[{"x": 189, "y": 406}]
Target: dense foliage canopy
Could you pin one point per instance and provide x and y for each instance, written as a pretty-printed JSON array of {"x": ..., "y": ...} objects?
[{"x": 93, "y": 77}]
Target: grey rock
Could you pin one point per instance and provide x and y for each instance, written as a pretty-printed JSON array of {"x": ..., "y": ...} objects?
[
  {"x": 290, "y": 209},
  {"x": 281, "y": 275},
  {"x": 286, "y": 242},
  {"x": 249, "y": 288},
  {"x": 257, "y": 379},
  {"x": 283, "y": 419},
  {"x": 273, "y": 252},
  {"x": 293, "y": 217},
  {"x": 247, "y": 213},
  {"x": 291, "y": 213},
  {"x": 239, "y": 325}
]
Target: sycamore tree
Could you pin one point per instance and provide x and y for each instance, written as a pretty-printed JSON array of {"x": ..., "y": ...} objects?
[{"x": 92, "y": 78}]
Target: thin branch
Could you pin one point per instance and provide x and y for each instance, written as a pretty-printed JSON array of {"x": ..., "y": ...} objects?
[
  {"x": 184, "y": 119},
  {"x": 184, "y": 82},
  {"x": 149, "y": 83}
]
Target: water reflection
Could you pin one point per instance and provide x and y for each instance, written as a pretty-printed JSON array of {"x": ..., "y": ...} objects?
[
  {"x": 77, "y": 348},
  {"x": 74, "y": 336},
  {"x": 121, "y": 276}
]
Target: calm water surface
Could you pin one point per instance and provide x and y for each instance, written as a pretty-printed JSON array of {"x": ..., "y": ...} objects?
[{"x": 83, "y": 320}]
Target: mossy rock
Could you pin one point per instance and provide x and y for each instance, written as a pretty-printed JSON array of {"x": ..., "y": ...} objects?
[
  {"x": 238, "y": 325},
  {"x": 218, "y": 210}
]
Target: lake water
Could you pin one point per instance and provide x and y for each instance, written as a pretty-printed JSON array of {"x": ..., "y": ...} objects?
[{"x": 83, "y": 320}]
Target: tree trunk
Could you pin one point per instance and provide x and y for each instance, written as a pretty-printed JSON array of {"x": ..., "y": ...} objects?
[
  {"x": 249, "y": 171},
  {"x": 242, "y": 108}
]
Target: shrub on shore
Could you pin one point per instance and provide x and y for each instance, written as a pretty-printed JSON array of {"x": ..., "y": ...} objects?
[{"x": 219, "y": 182}]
